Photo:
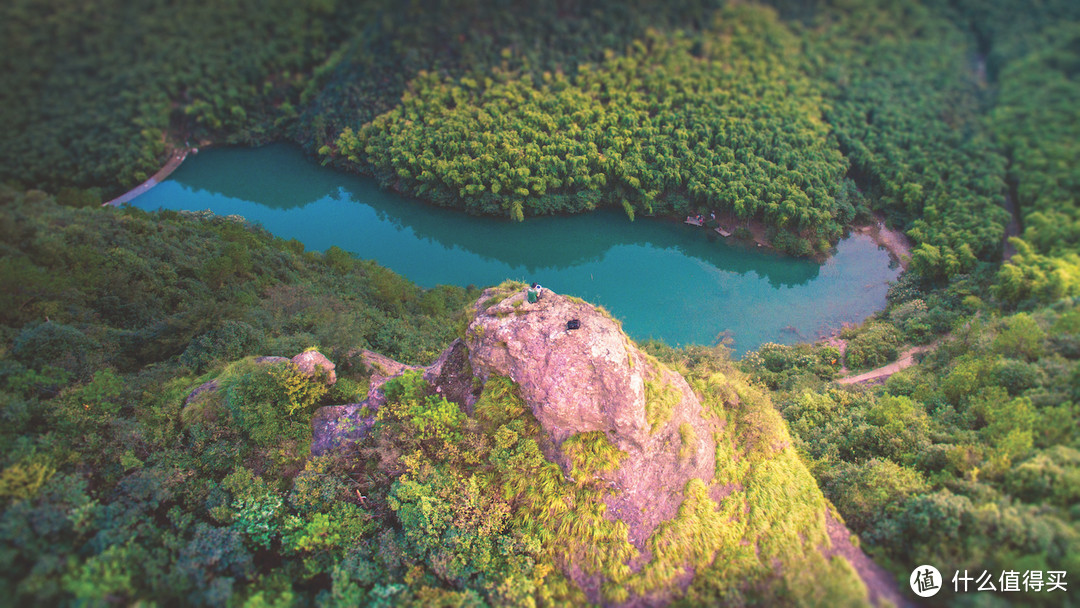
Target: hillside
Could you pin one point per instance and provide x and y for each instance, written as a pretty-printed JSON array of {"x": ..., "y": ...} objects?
[{"x": 570, "y": 464}]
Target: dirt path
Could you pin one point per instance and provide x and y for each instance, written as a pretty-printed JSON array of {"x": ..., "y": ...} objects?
[
  {"x": 880, "y": 584},
  {"x": 905, "y": 360},
  {"x": 177, "y": 157}
]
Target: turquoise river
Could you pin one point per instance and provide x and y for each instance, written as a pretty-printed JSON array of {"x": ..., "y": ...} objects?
[{"x": 663, "y": 279}]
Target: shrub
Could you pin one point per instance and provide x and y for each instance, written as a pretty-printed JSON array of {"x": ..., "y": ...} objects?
[
  {"x": 57, "y": 345},
  {"x": 233, "y": 340},
  {"x": 867, "y": 493},
  {"x": 1021, "y": 337},
  {"x": 1053, "y": 476},
  {"x": 1016, "y": 376},
  {"x": 875, "y": 345}
]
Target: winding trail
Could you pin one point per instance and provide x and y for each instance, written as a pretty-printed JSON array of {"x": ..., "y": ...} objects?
[
  {"x": 905, "y": 360},
  {"x": 175, "y": 160}
]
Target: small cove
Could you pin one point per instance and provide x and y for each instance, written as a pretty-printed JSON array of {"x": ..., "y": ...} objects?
[{"x": 663, "y": 279}]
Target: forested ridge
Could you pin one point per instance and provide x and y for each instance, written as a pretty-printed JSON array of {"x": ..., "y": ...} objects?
[{"x": 805, "y": 117}]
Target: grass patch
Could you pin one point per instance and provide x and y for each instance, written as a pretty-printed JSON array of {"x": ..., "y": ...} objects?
[
  {"x": 692, "y": 539},
  {"x": 568, "y": 519},
  {"x": 502, "y": 291},
  {"x": 689, "y": 440},
  {"x": 660, "y": 400},
  {"x": 787, "y": 510},
  {"x": 591, "y": 453}
]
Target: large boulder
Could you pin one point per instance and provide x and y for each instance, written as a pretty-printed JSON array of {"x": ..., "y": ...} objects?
[
  {"x": 310, "y": 360},
  {"x": 594, "y": 378}
]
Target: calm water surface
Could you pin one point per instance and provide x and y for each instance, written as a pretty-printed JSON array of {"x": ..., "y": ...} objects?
[{"x": 667, "y": 280}]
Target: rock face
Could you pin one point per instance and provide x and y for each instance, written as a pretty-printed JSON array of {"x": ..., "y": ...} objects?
[
  {"x": 309, "y": 360},
  {"x": 594, "y": 379},
  {"x": 334, "y": 426}
]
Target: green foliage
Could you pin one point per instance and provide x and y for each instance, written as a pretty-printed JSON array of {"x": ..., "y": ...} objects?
[
  {"x": 1038, "y": 128},
  {"x": 976, "y": 442},
  {"x": 232, "y": 340},
  {"x": 23, "y": 480},
  {"x": 57, "y": 345},
  {"x": 301, "y": 391},
  {"x": 114, "y": 494},
  {"x": 1030, "y": 277},
  {"x": 778, "y": 365},
  {"x": 906, "y": 114},
  {"x": 876, "y": 344},
  {"x": 724, "y": 117},
  {"x": 869, "y": 492},
  {"x": 192, "y": 83},
  {"x": 1052, "y": 476},
  {"x": 425, "y": 419},
  {"x": 1021, "y": 337}
]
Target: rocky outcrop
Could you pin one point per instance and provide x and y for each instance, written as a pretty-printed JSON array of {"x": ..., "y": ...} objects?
[
  {"x": 200, "y": 392},
  {"x": 306, "y": 361},
  {"x": 579, "y": 373},
  {"x": 452, "y": 376},
  {"x": 594, "y": 378},
  {"x": 311, "y": 360},
  {"x": 335, "y": 426}
]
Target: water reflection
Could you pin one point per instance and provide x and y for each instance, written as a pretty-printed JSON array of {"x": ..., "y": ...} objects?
[
  {"x": 285, "y": 179},
  {"x": 664, "y": 279}
]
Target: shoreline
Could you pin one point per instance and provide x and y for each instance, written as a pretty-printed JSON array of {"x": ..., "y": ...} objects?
[
  {"x": 176, "y": 158},
  {"x": 894, "y": 241}
]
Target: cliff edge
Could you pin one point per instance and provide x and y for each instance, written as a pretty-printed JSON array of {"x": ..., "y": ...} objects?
[{"x": 670, "y": 479}]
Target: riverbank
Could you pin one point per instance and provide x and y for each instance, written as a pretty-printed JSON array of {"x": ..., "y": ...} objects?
[
  {"x": 663, "y": 279},
  {"x": 894, "y": 241},
  {"x": 175, "y": 160}
]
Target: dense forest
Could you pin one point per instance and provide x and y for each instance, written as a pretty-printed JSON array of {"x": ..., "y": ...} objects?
[{"x": 948, "y": 120}]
